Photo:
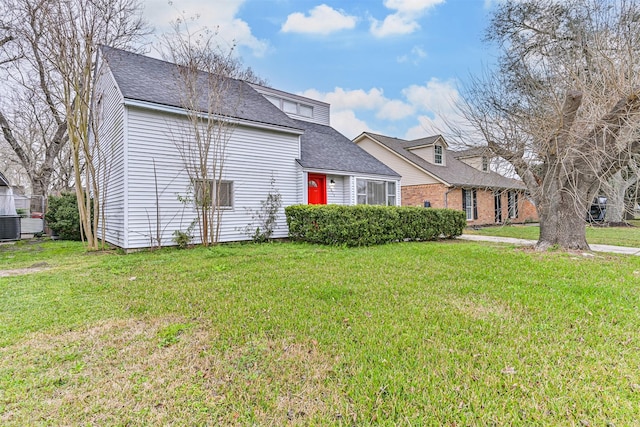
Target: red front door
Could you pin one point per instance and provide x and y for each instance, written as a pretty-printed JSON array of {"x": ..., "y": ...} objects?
[{"x": 317, "y": 189}]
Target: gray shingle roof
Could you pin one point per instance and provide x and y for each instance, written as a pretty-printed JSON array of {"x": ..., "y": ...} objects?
[
  {"x": 142, "y": 78},
  {"x": 430, "y": 140},
  {"x": 471, "y": 152},
  {"x": 454, "y": 172},
  {"x": 323, "y": 147}
]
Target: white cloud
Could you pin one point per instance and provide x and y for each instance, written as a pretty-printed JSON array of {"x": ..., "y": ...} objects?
[
  {"x": 217, "y": 15},
  {"x": 348, "y": 124},
  {"x": 437, "y": 99},
  {"x": 341, "y": 99},
  {"x": 405, "y": 19},
  {"x": 393, "y": 25},
  {"x": 416, "y": 54},
  {"x": 408, "y": 6},
  {"x": 395, "y": 110},
  {"x": 322, "y": 19},
  {"x": 433, "y": 102},
  {"x": 435, "y": 95}
]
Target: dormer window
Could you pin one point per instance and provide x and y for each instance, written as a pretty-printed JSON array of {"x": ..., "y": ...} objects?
[
  {"x": 437, "y": 156},
  {"x": 305, "y": 110},
  {"x": 485, "y": 164},
  {"x": 291, "y": 107}
]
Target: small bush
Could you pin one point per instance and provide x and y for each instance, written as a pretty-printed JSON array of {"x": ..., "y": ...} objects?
[
  {"x": 364, "y": 225},
  {"x": 62, "y": 216},
  {"x": 182, "y": 239}
]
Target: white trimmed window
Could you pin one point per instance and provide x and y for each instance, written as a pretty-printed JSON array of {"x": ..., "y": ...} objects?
[
  {"x": 206, "y": 192},
  {"x": 485, "y": 164},
  {"x": 437, "y": 154},
  {"x": 373, "y": 192},
  {"x": 470, "y": 204}
]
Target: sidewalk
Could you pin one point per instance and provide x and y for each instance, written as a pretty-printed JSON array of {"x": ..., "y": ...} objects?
[{"x": 522, "y": 242}]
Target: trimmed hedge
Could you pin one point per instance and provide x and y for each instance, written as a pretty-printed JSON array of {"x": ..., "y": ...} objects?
[{"x": 366, "y": 225}]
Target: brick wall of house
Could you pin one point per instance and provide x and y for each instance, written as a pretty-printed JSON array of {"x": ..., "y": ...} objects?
[{"x": 415, "y": 195}]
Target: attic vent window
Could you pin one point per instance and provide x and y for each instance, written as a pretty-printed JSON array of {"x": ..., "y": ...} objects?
[
  {"x": 485, "y": 164},
  {"x": 437, "y": 157}
]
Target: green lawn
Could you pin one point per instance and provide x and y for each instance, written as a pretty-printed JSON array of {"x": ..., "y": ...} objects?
[
  {"x": 438, "y": 333},
  {"x": 619, "y": 236}
]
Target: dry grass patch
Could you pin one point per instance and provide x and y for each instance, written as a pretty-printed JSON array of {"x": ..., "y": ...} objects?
[
  {"x": 164, "y": 371},
  {"x": 35, "y": 268},
  {"x": 481, "y": 309}
]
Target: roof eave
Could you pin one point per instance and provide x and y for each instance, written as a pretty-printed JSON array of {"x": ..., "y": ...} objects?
[{"x": 129, "y": 102}]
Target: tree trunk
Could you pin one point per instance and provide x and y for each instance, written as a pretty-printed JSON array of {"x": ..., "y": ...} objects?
[
  {"x": 562, "y": 222},
  {"x": 38, "y": 188},
  {"x": 615, "y": 191}
]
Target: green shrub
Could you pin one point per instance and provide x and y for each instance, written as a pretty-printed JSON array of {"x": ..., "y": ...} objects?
[
  {"x": 62, "y": 216},
  {"x": 365, "y": 225}
]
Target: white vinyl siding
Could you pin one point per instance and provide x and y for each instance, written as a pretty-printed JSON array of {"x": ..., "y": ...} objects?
[
  {"x": 111, "y": 137},
  {"x": 425, "y": 153},
  {"x": 337, "y": 194},
  {"x": 253, "y": 156}
]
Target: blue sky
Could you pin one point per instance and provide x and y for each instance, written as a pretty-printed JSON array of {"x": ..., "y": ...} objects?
[{"x": 387, "y": 66}]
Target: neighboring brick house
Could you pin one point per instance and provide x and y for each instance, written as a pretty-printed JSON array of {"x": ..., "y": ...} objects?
[{"x": 451, "y": 179}]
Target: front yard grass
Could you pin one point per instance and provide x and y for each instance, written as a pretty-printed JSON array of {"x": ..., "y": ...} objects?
[
  {"x": 618, "y": 236},
  {"x": 437, "y": 333}
]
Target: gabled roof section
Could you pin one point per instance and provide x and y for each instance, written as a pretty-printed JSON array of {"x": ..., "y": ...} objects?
[
  {"x": 455, "y": 173},
  {"x": 471, "y": 152},
  {"x": 423, "y": 142},
  {"x": 323, "y": 147},
  {"x": 143, "y": 78}
]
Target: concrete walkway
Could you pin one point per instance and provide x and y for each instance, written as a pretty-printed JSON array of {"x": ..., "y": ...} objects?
[{"x": 523, "y": 242}]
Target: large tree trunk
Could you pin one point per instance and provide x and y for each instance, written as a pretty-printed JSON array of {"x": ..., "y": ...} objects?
[{"x": 562, "y": 222}]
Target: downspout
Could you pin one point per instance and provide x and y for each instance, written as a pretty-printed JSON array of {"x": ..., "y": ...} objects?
[{"x": 446, "y": 198}]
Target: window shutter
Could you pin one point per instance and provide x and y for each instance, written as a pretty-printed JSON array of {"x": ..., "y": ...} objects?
[
  {"x": 475, "y": 205},
  {"x": 464, "y": 200}
]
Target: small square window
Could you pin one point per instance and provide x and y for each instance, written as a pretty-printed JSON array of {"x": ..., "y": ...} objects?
[
  {"x": 205, "y": 193},
  {"x": 225, "y": 194}
]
